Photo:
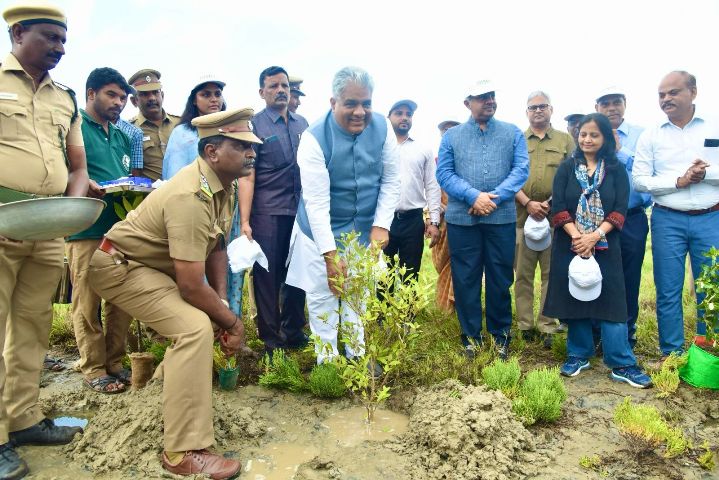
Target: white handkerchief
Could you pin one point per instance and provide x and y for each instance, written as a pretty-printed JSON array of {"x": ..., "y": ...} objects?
[{"x": 242, "y": 254}]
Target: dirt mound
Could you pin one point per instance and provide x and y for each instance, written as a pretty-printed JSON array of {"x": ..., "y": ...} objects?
[
  {"x": 468, "y": 433},
  {"x": 127, "y": 428}
]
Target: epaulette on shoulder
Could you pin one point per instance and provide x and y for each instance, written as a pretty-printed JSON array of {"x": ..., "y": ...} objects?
[{"x": 73, "y": 97}]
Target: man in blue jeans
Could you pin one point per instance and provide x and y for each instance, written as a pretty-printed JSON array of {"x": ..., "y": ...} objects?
[
  {"x": 482, "y": 164},
  {"x": 677, "y": 162}
]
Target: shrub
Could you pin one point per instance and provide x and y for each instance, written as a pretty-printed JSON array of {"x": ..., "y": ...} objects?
[
  {"x": 559, "y": 346},
  {"x": 326, "y": 382},
  {"x": 666, "y": 380},
  {"x": 540, "y": 397},
  {"x": 706, "y": 459},
  {"x": 158, "y": 349},
  {"x": 644, "y": 426},
  {"x": 503, "y": 376},
  {"x": 220, "y": 361},
  {"x": 282, "y": 372}
]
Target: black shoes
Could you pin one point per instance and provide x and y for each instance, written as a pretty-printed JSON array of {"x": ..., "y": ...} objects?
[
  {"x": 12, "y": 467},
  {"x": 44, "y": 433}
]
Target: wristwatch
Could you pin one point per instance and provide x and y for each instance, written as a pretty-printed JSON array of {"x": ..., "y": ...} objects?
[{"x": 602, "y": 235}]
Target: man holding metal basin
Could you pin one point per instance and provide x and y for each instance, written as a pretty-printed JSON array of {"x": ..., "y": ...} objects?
[{"x": 41, "y": 155}]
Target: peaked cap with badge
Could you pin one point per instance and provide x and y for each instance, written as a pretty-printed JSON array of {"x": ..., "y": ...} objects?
[
  {"x": 235, "y": 124},
  {"x": 146, "y": 80}
]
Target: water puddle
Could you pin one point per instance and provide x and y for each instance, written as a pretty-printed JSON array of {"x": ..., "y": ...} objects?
[
  {"x": 278, "y": 461},
  {"x": 345, "y": 428},
  {"x": 71, "y": 422},
  {"x": 349, "y": 427}
]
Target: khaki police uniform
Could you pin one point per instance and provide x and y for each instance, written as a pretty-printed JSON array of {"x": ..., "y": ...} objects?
[
  {"x": 154, "y": 136},
  {"x": 36, "y": 125},
  {"x": 134, "y": 269}
]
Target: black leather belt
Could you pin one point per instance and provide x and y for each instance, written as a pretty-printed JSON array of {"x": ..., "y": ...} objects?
[
  {"x": 700, "y": 211},
  {"x": 408, "y": 213}
]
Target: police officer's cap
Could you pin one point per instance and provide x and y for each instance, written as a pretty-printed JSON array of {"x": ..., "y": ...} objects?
[
  {"x": 33, "y": 14},
  {"x": 146, "y": 80},
  {"x": 235, "y": 124},
  {"x": 295, "y": 83}
]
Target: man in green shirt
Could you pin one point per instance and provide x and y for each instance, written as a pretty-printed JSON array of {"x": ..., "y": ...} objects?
[
  {"x": 108, "y": 158},
  {"x": 547, "y": 149}
]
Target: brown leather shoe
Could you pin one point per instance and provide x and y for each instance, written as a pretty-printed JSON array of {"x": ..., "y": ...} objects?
[{"x": 202, "y": 461}]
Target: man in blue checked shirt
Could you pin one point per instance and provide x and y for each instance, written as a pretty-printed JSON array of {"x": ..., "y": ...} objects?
[
  {"x": 612, "y": 103},
  {"x": 482, "y": 164},
  {"x": 135, "y": 135}
]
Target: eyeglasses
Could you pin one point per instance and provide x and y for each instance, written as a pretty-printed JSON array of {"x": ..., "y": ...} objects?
[{"x": 538, "y": 108}]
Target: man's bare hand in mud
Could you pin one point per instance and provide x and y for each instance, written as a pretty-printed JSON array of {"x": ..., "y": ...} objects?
[{"x": 232, "y": 340}]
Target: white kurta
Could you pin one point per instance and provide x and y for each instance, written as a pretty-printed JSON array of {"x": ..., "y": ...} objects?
[{"x": 307, "y": 268}]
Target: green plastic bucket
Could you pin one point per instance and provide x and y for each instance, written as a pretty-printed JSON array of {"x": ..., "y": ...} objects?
[
  {"x": 228, "y": 377},
  {"x": 701, "y": 369}
]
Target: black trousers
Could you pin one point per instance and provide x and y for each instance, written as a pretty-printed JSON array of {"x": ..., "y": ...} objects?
[
  {"x": 280, "y": 307},
  {"x": 406, "y": 239}
]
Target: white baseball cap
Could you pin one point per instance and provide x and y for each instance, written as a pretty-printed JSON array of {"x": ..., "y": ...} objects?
[
  {"x": 585, "y": 279},
  {"x": 610, "y": 90},
  {"x": 480, "y": 87},
  {"x": 537, "y": 235}
]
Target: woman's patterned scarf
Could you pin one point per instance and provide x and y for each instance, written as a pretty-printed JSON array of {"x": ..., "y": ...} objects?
[{"x": 590, "y": 213}]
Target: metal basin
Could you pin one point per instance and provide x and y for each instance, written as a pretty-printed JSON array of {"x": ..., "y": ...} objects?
[{"x": 48, "y": 218}]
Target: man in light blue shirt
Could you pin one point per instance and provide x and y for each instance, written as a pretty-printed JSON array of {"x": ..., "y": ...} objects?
[
  {"x": 677, "y": 163},
  {"x": 482, "y": 164},
  {"x": 612, "y": 103}
]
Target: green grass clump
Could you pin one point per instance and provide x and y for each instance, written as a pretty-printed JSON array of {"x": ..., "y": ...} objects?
[
  {"x": 559, "y": 346},
  {"x": 61, "y": 331},
  {"x": 643, "y": 424},
  {"x": 666, "y": 380},
  {"x": 326, "y": 382},
  {"x": 706, "y": 459},
  {"x": 282, "y": 372},
  {"x": 503, "y": 376},
  {"x": 540, "y": 396}
]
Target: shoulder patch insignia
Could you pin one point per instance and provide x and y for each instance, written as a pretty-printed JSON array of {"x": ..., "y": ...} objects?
[{"x": 204, "y": 186}]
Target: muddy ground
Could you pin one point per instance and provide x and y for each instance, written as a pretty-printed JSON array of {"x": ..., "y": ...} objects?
[{"x": 448, "y": 432}]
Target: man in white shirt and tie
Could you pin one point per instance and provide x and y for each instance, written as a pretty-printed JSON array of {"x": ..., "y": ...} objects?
[
  {"x": 419, "y": 190},
  {"x": 677, "y": 162}
]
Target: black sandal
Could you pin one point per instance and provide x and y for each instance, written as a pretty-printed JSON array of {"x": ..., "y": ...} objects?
[{"x": 53, "y": 364}]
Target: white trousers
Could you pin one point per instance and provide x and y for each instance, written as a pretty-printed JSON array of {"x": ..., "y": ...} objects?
[{"x": 307, "y": 271}]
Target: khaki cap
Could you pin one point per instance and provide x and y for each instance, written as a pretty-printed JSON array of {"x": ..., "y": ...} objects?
[
  {"x": 295, "y": 83},
  {"x": 234, "y": 124},
  {"x": 32, "y": 14},
  {"x": 146, "y": 80}
]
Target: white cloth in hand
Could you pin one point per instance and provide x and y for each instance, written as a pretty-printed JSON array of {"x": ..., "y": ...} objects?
[{"x": 242, "y": 254}]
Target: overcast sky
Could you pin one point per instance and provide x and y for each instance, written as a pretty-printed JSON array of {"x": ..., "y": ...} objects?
[{"x": 427, "y": 52}]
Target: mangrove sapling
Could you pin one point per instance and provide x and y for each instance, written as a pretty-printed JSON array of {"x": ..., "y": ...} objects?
[
  {"x": 593, "y": 463},
  {"x": 666, "y": 380},
  {"x": 220, "y": 361},
  {"x": 282, "y": 372},
  {"x": 386, "y": 308},
  {"x": 540, "y": 397},
  {"x": 707, "y": 459},
  {"x": 708, "y": 284},
  {"x": 326, "y": 382},
  {"x": 503, "y": 376},
  {"x": 645, "y": 429}
]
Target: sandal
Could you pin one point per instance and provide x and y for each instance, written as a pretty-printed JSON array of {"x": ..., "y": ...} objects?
[
  {"x": 123, "y": 376},
  {"x": 104, "y": 384},
  {"x": 53, "y": 364}
]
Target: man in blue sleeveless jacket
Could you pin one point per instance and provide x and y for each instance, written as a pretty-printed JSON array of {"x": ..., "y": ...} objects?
[{"x": 350, "y": 182}]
